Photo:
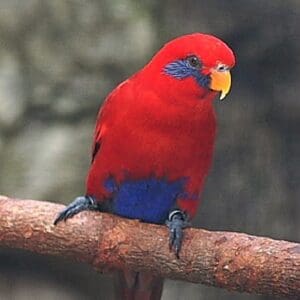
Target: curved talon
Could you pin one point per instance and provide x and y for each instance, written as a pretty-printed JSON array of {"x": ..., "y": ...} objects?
[
  {"x": 79, "y": 204},
  {"x": 176, "y": 222}
]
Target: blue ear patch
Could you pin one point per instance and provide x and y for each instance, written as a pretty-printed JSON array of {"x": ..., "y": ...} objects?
[
  {"x": 148, "y": 199},
  {"x": 181, "y": 69}
]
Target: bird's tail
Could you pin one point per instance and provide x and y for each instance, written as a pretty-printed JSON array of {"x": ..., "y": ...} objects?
[{"x": 138, "y": 286}]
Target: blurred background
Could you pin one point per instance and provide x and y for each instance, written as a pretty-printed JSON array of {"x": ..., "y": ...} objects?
[{"x": 58, "y": 61}]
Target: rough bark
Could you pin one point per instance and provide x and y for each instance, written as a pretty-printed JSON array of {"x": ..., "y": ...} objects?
[{"x": 234, "y": 261}]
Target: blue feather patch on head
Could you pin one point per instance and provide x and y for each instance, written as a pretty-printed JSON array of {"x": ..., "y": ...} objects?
[
  {"x": 181, "y": 69},
  {"x": 149, "y": 200}
]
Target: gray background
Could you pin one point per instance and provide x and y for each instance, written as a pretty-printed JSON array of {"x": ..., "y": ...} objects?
[{"x": 58, "y": 61}]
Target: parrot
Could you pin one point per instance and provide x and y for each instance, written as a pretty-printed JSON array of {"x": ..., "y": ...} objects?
[{"x": 153, "y": 144}]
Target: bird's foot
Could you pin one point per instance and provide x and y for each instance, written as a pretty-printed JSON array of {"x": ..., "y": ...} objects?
[
  {"x": 79, "y": 204},
  {"x": 177, "y": 221}
]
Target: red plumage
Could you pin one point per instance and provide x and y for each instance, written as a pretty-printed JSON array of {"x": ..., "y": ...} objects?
[{"x": 156, "y": 125}]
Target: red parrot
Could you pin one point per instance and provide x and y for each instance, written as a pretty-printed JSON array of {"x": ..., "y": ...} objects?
[{"x": 153, "y": 143}]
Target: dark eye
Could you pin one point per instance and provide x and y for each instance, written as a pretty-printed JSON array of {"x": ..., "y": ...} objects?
[
  {"x": 222, "y": 68},
  {"x": 194, "y": 61}
]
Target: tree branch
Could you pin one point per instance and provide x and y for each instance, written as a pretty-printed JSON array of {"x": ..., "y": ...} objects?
[{"x": 234, "y": 261}]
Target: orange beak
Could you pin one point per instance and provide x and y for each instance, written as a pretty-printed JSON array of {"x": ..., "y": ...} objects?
[{"x": 220, "y": 82}]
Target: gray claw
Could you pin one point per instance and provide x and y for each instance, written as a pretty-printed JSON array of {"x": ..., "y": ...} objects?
[
  {"x": 79, "y": 204},
  {"x": 176, "y": 222}
]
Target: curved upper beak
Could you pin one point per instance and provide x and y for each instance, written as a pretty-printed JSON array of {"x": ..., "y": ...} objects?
[{"x": 220, "y": 82}]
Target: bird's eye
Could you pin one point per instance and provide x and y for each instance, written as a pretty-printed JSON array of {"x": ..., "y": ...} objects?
[
  {"x": 222, "y": 68},
  {"x": 194, "y": 61}
]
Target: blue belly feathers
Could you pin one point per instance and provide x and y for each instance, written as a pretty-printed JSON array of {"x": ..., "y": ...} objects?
[{"x": 149, "y": 200}]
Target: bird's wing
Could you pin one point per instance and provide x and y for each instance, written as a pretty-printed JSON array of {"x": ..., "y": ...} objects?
[{"x": 104, "y": 118}]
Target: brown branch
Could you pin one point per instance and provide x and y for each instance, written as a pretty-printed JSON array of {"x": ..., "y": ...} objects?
[{"x": 235, "y": 261}]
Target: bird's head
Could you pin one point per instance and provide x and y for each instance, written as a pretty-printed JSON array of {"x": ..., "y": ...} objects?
[{"x": 195, "y": 65}]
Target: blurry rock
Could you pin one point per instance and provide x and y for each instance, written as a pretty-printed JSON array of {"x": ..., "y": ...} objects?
[{"x": 12, "y": 102}]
